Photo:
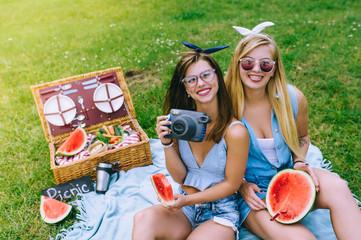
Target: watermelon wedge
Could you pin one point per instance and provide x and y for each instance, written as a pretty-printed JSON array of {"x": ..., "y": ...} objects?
[
  {"x": 163, "y": 188},
  {"x": 290, "y": 196},
  {"x": 74, "y": 143},
  {"x": 52, "y": 210}
]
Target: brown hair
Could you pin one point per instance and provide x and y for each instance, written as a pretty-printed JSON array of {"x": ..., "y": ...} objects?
[{"x": 176, "y": 96}]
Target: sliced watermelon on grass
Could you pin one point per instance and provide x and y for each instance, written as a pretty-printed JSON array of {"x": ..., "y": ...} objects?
[{"x": 52, "y": 210}]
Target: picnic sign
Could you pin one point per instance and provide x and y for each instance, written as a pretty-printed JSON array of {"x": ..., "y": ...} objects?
[{"x": 70, "y": 189}]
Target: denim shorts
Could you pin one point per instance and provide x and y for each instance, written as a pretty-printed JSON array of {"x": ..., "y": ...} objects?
[
  {"x": 262, "y": 182},
  {"x": 224, "y": 209}
]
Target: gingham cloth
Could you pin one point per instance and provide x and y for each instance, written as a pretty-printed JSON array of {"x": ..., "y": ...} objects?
[{"x": 132, "y": 138}]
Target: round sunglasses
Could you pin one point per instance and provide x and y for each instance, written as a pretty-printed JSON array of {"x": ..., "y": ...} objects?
[
  {"x": 265, "y": 64},
  {"x": 192, "y": 80}
]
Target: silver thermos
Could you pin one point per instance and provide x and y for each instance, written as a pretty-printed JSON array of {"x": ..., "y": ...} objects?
[{"x": 104, "y": 171}]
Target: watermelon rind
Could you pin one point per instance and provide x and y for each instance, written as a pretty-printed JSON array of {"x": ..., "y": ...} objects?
[
  {"x": 167, "y": 185},
  {"x": 79, "y": 143},
  {"x": 308, "y": 207},
  {"x": 57, "y": 207}
]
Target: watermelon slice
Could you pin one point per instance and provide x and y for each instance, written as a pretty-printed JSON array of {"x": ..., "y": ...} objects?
[
  {"x": 163, "y": 188},
  {"x": 52, "y": 210},
  {"x": 290, "y": 196},
  {"x": 74, "y": 143}
]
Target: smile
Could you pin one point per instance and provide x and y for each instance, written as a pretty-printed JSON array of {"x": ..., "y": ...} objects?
[
  {"x": 255, "y": 78},
  {"x": 204, "y": 92}
]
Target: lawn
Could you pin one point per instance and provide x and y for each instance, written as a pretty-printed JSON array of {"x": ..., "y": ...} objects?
[{"x": 42, "y": 41}]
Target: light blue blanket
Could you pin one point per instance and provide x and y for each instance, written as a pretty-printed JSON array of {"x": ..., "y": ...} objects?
[{"x": 110, "y": 216}]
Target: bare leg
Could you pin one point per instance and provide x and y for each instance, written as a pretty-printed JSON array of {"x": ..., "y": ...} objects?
[
  {"x": 259, "y": 223},
  {"x": 211, "y": 230},
  {"x": 157, "y": 222},
  {"x": 335, "y": 195}
]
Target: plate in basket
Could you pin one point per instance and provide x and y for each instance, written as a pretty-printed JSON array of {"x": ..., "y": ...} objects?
[
  {"x": 59, "y": 110},
  {"x": 108, "y": 97}
]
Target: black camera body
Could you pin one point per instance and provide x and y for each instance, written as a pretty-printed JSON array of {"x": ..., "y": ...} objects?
[{"x": 188, "y": 125}]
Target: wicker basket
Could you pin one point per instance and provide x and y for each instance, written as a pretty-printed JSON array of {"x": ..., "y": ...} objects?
[{"x": 134, "y": 155}]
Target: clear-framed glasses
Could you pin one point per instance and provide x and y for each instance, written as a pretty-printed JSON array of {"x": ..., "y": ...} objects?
[
  {"x": 265, "y": 64},
  {"x": 191, "y": 80}
]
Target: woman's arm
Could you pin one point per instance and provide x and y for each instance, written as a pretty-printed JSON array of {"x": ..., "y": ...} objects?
[
  {"x": 304, "y": 138},
  {"x": 237, "y": 140},
  {"x": 302, "y": 123},
  {"x": 174, "y": 163}
]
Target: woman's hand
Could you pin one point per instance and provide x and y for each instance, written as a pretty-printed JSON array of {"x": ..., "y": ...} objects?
[
  {"x": 299, "y": 165},
  {"x": 180, "y": 201},
  {"x": 163, "y": 130},
  {"x": 247, "y": 191}
]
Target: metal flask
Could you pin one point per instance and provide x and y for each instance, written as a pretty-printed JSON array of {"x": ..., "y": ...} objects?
[{"x": 104, "y": 171}]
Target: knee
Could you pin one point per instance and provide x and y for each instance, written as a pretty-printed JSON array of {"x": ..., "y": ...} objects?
[
  {"x": 335, "y": 185},
  {"x": 142, "y": 224},
  {"x": 341, "y": 186},
  {"x": 334, "y": 192},
  {"x": 144, "y": 217}
]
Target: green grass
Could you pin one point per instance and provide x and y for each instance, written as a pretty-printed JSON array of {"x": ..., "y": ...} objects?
[{"x": 42, "y": 41}]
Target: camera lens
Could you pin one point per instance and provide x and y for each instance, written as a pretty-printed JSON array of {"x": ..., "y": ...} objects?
[
  {"x": 184, "y": 127},
  {"x": 179, "y": 127}
]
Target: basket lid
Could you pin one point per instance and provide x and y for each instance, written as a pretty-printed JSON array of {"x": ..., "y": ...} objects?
[{"x": 91, "y": 99}]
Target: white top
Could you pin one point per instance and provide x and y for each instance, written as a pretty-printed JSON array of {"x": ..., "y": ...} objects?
[{"x": 268, "y": 148}]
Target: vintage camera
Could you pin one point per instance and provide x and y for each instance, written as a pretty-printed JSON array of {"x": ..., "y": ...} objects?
[{"x": 188, "y": 125}]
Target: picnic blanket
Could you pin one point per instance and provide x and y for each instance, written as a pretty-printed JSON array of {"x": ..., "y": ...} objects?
[{"x": 110, "y": 215}]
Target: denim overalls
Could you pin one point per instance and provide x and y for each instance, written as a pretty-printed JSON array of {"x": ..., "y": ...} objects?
[{"x": 259, "y": 170}]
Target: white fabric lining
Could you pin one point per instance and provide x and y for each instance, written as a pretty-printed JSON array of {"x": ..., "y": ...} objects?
[{"x": 268, "y": 148}]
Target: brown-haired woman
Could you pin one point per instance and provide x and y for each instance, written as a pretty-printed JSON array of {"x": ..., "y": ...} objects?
[{"x": 209, "y": 172}]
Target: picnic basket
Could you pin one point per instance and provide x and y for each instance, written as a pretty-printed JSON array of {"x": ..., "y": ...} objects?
[{"x": 134, "y": 155}]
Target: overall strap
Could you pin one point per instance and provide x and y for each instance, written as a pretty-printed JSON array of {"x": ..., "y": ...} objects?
[{"x": 293, "y": 97}]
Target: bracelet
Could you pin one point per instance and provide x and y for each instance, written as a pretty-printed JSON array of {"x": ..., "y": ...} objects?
[
  {"x": 171, "y": 144},
  {"x": 294, "y": 163}
]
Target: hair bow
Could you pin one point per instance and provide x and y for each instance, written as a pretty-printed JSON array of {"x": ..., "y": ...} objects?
[
  {"x": 200, "y": 50},
  {"x": 256, "y": 30}
]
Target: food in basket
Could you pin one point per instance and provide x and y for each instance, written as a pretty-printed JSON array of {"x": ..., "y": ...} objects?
[
  {"x": 290, "y": 196},
  {"x": 52, "y": 210},
  {"x": 128, "y": 137},
  {"x": 163, "y": 188},
  {"x": 97, "y": 147},
  {"x": 74, "y": 143},
  {"x": 110, "y": 134}
]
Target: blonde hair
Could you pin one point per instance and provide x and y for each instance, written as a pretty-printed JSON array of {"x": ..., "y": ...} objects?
[{"x": 277, "y": 85}]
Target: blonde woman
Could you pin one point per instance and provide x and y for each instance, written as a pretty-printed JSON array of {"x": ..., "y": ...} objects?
[{"x": 275, "y": 114}]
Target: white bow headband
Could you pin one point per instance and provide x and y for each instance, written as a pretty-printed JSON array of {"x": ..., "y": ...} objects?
[{"x": 256, "y": 30}]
